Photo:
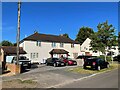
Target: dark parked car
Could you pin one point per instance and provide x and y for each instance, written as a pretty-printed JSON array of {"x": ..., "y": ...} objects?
[
  {"x": 69, "y": 61},
  {"x": 23, "y": 61},
  {"x": 117, "y": 58},
  {"x": 55, "y": 62},
  {"x": 95, "y": 63}
]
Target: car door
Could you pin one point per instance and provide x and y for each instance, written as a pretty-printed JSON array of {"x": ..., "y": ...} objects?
[{"x": 102, "y": 63}]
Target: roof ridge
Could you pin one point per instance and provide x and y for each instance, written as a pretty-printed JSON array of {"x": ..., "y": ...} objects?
[{"x": 48, "y": 37}]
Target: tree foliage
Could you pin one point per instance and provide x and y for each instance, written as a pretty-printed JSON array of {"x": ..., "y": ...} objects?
[
  {"x": 6, "y": 43},
  {"x": 105, "y": 37},
  {"x": 66, "y": 35},
  {"x": 119, "y": 41},
  {"x": 83, "y": 34}
]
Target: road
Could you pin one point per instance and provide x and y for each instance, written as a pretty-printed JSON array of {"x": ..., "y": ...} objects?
[{"x": 104, "y": 80}]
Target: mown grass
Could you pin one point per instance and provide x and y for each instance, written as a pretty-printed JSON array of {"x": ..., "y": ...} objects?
[
  {"x": 23, "y": 81},
  {"x": 90, "y": 71},
  {"x": 28, "y": 81}
]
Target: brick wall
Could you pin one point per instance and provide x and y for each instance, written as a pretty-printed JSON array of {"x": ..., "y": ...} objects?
[
  {"x": 15, "y": 69},
  {"x": 80, "y": 62},
  {"x": 1, "y": 55}
]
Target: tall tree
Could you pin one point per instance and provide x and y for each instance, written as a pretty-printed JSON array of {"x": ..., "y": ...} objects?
[
  {"x": 105, "y": 37},
  {"x": 119, "y": 41},
  {"x": 66, "y": 35},
  {"x": 6, "y": 43},
  {"x": 83, "y": 34}
]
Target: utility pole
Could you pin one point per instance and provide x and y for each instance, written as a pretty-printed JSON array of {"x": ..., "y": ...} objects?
[{"x": 18, "y": 32}]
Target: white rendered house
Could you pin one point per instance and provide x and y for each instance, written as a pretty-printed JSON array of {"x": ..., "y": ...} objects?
[
  {"x": 39, "y": 47},
  {"x": 114, "y": 51},
  {"x": 86, "y": 49}
]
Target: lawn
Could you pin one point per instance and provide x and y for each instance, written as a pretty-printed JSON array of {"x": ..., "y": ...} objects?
[
  {"x": 18, "y": 83},
  {"x": 89, "y": 71}
]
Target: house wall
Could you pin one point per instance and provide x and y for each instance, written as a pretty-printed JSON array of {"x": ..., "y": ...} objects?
[
  {"x": 85, "y": 47},
  {"x": 114, "y": 49},
  {"x": 1, "y": 55},
  {"x": 45, "y": 48}
]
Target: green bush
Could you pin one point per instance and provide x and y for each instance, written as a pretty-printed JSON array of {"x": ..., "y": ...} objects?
[{"x": 108, "y": 58}]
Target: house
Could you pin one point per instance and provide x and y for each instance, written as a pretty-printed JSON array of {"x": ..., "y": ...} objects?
[
  {"x": 86, "y": 49},
  {"x": 41, "y": 46},
  {"x": 113, "y": 51},
  {"x": 8, "y": 51}
]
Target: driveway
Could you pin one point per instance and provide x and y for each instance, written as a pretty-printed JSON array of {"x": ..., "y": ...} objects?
[{"x": 46, "y": 76}]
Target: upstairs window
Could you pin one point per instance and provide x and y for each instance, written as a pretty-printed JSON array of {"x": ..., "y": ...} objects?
[
  {"x": 34, "y": 55},
  {"x": 95, "y": 51},
  {"x": 53, "y": 44},
  {"x": 61, "y": 44},
  {"x": 38, "y": 43},
  {"x": 72, "y": 45}
]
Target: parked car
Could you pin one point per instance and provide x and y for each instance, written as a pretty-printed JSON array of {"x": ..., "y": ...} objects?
[
  {"x": 84, "y": 57},
  {"x": 23, "y": 61},
  {"x": 117, "y": 58},
  {"x": 54, "y": 62},
  {"x": 69, "y": 61},
  {"x": 95, "y": 63}
]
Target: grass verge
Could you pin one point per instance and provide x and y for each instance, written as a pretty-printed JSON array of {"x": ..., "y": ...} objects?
[
  {"x": 23, "y": 81},
  {"x": 90, "y": 71}
]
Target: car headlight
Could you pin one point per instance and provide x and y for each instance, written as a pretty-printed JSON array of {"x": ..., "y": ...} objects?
[
  {"x": 57, "y": 62},
  {"x": 20, "y": 62}
]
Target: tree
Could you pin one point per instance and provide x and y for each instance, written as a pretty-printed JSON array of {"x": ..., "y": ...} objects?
[
  {"x": 119, "y": 41},
  {"x": 105, "y": 37},
  {"x": 66, "y": 35},
  {"x": 6, "y": 43},
  {"x": 83, "y": 34}
]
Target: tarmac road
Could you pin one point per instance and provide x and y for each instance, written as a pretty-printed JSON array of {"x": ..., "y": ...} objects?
[{"x": 104, "y": 80}]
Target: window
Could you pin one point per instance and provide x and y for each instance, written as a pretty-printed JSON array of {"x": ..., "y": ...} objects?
[
  {"x": 61, "y": 45},
  {"x": 38, "y": 43},
  {"x": 72, "y": 45},
  {"x": 95, "y": 51},
  {"x": 53, "y": 44},
  {"x": 84, "y": 47},
  {"x": 31, "y": 55},
  {"x": 34, "y": 55}
]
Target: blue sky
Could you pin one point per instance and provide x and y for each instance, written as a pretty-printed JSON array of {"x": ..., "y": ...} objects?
[{"x": 56, "y": 18}]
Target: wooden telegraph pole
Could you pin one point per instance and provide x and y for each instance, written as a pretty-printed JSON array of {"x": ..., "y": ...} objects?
[{"x": 18, "y": 32}]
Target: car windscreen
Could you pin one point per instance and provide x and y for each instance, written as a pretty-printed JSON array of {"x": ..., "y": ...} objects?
[
  {"x": 55, "y": 59},
  {"x": 90, "y": 60},
  {"x": 22, "y": 58}
]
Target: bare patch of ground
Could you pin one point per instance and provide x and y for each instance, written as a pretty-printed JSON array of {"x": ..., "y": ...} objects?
[{"x": 17, "y": 83}]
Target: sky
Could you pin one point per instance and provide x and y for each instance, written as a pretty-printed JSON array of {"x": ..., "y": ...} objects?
[{"x": 56, "y": 17}]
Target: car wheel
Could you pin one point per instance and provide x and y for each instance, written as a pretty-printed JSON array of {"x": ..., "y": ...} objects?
[
  {"x": 98, "y": 68},
  {"x": 54, "y": 65},
  {"x": 67, "y": 64},
  {"x": 108, "y": 65},
  {"x": 84, "y": 67},
  {"x": 46, "y": 64}
]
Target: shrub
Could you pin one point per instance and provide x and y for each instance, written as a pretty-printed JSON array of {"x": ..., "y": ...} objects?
[{"x": 108, "y": 58}]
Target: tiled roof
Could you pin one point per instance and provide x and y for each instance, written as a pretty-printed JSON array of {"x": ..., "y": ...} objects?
[
  {"x": 12, "y": 50},
  {"x": 58, "y": 51},
  {"x": 49, "y": 38}
]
